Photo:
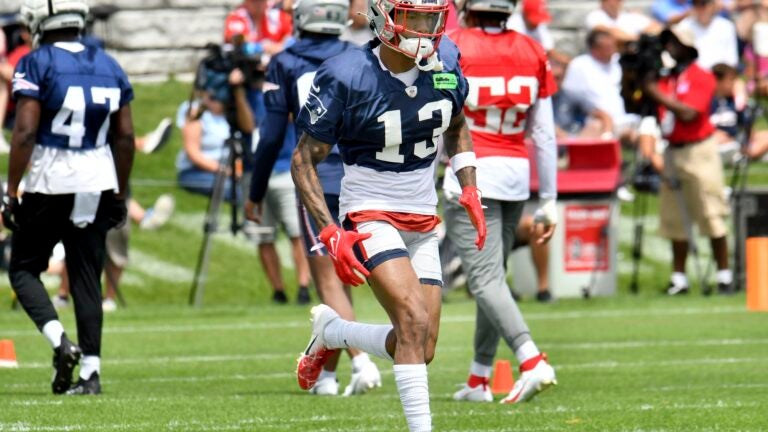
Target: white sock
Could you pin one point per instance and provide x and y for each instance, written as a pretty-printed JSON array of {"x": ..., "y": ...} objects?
[
  {"x": 371, "y": 338},
  {"x": 526, "y": 351},
  {"x": 480, "y": 370},
  {"x": 327, "y": 374},
  {"x": 724, "y": 276},
  {"x": 89, "y": 365},
  {"x": 52, "y": 330},
  {"x": 679, "y": 279},
  {"x": 411, "y": 380},
  {"x": 359, "y": 361}
]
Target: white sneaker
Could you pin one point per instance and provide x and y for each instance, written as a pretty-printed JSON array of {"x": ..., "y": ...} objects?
[
  {"x": 108, "y": 305},
  {"x": 367, "y": 378},
  {"x": 156, "y": 139},
  {"x": 59, "y": 302},
  {"x": 481, "y": 393},
  {"x": 623, "y": 194},
  {"x": 325, "y": 387},
  {"x": 159, "y": 213},
  {"x": 533, "y": 380},
  {"x": 5, "y": 148}
]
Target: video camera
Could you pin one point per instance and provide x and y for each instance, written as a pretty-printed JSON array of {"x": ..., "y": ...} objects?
[
  {"x": 214, "y": 69},
  {"x": 641, "y": 61}
]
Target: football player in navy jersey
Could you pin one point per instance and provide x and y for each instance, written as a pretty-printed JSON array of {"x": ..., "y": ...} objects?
[
  {"x": 74, "y": 130},
  {"x": 289, "y": 78},
  {"x": 386, "y": 107}
]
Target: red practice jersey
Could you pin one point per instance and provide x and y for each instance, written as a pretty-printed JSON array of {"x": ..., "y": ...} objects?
[
  {"x": 275, "y": 26},
  {"x": 507, "y": 72}
]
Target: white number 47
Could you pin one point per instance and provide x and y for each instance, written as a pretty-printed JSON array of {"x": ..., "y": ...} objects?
[{"x": 70, "y": 120}]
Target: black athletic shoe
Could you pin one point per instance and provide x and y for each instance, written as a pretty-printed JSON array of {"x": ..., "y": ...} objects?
[
  {"x": 65, "y": 358},
  {"x": 91, "y": 386},
  {"x": 279, "y": 297},
  {"x": 725, "y": 289},
  {"x": 303, "y": 296},
  {"x": 544, "y": 297},
  {"x": 674, "y": 290}
]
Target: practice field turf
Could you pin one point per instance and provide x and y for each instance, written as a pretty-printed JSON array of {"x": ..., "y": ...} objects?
[{"x": 629, "y": 364}]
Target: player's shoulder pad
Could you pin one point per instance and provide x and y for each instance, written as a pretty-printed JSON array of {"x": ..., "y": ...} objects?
[{"x": 449, "y": 54}]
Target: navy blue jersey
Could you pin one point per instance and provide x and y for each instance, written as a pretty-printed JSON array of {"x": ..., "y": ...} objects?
[
  {"x": 288, "y": 80},
  {"x": 724, "y": 115},
  {"x": 377, "y": 121},
  {"x": 78, "y": 88}
]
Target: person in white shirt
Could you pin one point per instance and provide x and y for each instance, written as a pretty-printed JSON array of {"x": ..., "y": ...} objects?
[
  {"x": 624, "y": 26},
  {"x": 714, "y": 36},
  {"x": 531, "y": 20},
  {"x": 593, "y": 80}
]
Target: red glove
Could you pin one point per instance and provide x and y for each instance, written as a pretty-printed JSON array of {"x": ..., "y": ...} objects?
[
  {"x": 470, "y": 200},
  {"x": 339, "y": 243}
]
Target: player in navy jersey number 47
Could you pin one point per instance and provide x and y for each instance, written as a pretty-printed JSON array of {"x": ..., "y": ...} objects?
[
  {"x": 387, "y": 106},
  {"x": 74, "y": 130}
]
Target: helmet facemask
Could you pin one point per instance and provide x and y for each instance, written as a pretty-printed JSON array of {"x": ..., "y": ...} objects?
[{"x": 413, "y": 28}]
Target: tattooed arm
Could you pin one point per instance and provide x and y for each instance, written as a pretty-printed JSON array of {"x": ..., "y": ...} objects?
[
  {"x": 309, "y": 152},
  {"x": 457, "y": 140}
]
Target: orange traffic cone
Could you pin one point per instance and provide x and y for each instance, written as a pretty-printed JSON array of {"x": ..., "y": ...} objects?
[
  {"x": 502, "y": 377},
  {"x": 7, "y": 354},
  {"x": 757, "y": 273}
]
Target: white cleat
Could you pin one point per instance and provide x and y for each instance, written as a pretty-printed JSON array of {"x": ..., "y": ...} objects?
[
  {"x": 532, "y": 381},
  {"x": 325, "y": 387},
  {"x": 480, "y": 393},
  {"x": 366, "y": 379}
]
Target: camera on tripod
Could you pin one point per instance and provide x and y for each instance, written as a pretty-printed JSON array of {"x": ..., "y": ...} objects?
[
  {"x": 642, "y": 61},
  {"x": 214, "y": 69}
]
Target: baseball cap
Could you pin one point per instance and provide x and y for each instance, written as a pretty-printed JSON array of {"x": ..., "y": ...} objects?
[{"x": 535, "y": 12}]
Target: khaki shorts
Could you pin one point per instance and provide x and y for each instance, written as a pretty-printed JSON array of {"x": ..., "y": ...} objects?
[
  {"x": 117, "y": 244},
  {"x": 700, "y": 173}
]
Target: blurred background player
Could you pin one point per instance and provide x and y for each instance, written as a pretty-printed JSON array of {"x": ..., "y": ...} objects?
[
  {"x": 67, "y": 95},
  {"x": 289, "y": 77},
  {"x": 509, "y": 97},
  {"x": 386, "y": 106}
]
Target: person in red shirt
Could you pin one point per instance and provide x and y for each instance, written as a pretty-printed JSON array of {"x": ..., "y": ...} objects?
[
  {"x": 259, "y": 23},
  {"x": 7, "y": 66},
  {"x": 694, "y": 186},
  {"x": 509, "y": 99}
]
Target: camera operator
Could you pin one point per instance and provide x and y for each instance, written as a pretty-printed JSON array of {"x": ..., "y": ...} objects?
[
  {"x": 205, "y": 127},
  {"x": 693, "y": 186}
]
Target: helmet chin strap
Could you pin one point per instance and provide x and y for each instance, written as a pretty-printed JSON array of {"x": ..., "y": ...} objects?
[
  {"x": 432, "y": 63},
  {"x": 419, "y": 47}
]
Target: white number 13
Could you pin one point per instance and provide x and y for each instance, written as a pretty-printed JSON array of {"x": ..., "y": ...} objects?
[{"x": 393, "y": 134}]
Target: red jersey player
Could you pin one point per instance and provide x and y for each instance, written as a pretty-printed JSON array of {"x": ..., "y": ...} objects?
[{"x": 509, "y": 98}]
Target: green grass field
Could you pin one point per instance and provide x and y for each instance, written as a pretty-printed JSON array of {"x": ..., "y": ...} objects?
[{"x": 626, "y": 363}]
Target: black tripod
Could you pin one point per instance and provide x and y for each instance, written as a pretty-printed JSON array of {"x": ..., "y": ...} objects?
[
  {"x": 738, "y": 186},
  {"x": 227, "y": 171}
]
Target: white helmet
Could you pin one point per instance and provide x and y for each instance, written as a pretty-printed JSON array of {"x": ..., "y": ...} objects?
[
  {"x": 419, "y": 43},
  {"x": 503, "y": 6},
  {"x": 321, "y": 16},
  {"x": 45, "y": 15}
]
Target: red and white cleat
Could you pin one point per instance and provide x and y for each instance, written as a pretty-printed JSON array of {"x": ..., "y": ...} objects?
[
  {"x": 536, "y": 375},
  {"x": 311, "y": 362}
]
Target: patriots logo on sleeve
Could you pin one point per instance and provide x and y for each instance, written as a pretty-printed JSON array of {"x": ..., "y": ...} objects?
[
  {"x": 315, "y": 107},
  {"x": 20, "y": 83}
]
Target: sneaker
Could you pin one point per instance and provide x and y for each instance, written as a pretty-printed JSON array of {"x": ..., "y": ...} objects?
[
  {"x": 108, "y": 305},
  {"x": 60, "y": 302},
  {"x": 367, "y": 378},
  {"x": 623, "y": 194},
  {"x": 544, "y": 297},
  {"x": 479, "y": 393},
  {"x": 279, "y": 297},
  {"x": 65, "y": 357},
  {"x": 311, "y": 362},
  {"x": 536, "y": 375},
  {"x": 90, "y": 386},
  {"x": 156, "y": 139},
  {"x": 725, "y": 289},
  {"x": 674, "y": 290},
  {"x": 4, "y": 147},
  {"x": 303, "y": 296},
  {"x": 157, "y": 215},
  {"x": 325, "y": 387}
]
